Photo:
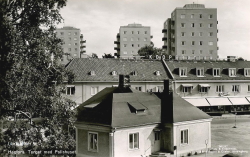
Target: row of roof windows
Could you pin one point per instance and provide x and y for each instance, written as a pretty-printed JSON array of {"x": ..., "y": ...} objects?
[
  {"x": 200, "y": 52},
  {"x": 134, "y": 73},
  {"x": 210, "y": 43},
  {"x": 210, "y": 25},
  {"x": 135, "y": 32},
  {"x": 69, "y": 33},
  {"x": 210, "y": 34},
  {"x": 137, "y": 39},
  {"x": 216, "y": 72},
  {"x": 204, "y": 88}
]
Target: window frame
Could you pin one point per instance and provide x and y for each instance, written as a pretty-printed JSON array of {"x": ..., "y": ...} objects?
[
  {"x": 94, "y": 90},
  {"x": 183, "y": 72},
  {"x": 183, "y": 16},
  {"x": 216, "y": 72},
  {"x": 235, "y": 88},
  {"x": 89, "y": 141},
  {"x": 71, "y": 88},
  {"x": 182, "y": 25},
  {"x": 157, "y": 135},
  {"x": 200, "y": 72},
  {"x": 139, "y": 88},
  {"x": 230, "y": 74},
  {"x": 247, "y": 72},
  {"x": 186, "y": 89},
  {"x": 219, "y": 89},
  {"x": 184, "y": 137},
  {"x": 133, "y": 141}
]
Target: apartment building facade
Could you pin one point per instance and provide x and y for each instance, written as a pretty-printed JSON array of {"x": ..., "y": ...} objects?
[
  {"x": 131, "y": 38},
  {"x": 73, "y": 46},
  {"x": 191, "y": 33}
]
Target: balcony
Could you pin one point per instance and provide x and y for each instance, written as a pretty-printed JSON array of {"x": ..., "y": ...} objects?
[
  {"x": 164, "y": 39},
  {"x": 165, "y": 47},
  {"x": 117, "y": 48},
  {"x": 81, "y": 47},
  {"x": 82, "y": 51},
  {"x": 116, "y": 42},
  {"x": 164, "y": 31},
  {"x": 83, "y": 41},
  {"x": 217, "y": 48},
  {"x": 118, "y": 35},
  {"x": 217, "y": 31},
  {"x": 217, "y": 39},
  {"x": 151, "y": 36},
  {"x": 81, "y": 36}
]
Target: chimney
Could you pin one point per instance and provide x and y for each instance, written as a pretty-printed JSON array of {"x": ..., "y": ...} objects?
[
  {"x": 121, "y": 81},
  {"x": 167, "y": 104}
]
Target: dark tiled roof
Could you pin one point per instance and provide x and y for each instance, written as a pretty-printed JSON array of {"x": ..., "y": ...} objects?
[
  {"x": 103, "y": 68},
  {"x": 113, "y": 108},
  {"x": 207, "y": 65}
]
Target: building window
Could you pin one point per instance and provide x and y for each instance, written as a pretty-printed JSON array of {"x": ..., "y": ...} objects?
[
  {"x": 183, "y": 16},
  {"x": 132, "y": 39},
  {"x": 62, "y": 33},
  {"x": 184, "y": 136},
  {"x": 219, "y": 88},
  {"x": 75, "y": 49},
  {"x": 210, "y": 34},
  {"x": 138, "y": 32},
  {"x": 134, "y": 141},
  {"x": 192, "y": 34},
  {"x": 75, "y": 53},
  {"x": 200, "y": 34},
  {"x": 125, "y": 45},
  {"x": 211, "y": 52},
  {"x": 193, "y": 43},
  {"x": 210, "y": 25},
  {"x": 210, "y": 43},
  {"x": 75, "y": 33},
  {"x": 138, "y": 88},
  {"x": 145, "y": 39},
  {"x": 232, "y": 72},
  {"x": 157, "y": 135},
  {"x": 132, "y": 52},
  {"x": 192, "y": 24},
  {"x": 203, "y": 89},
  {"x": 182, "y": 34},
  {"x": 138, "y": 45},
  {"x": 183, "y": 52},
  {"x": 93, "y": 142},
  {"x": 75, "y": 38},
  {"x": 187, "y": 89},
  {"x": 200, "y": 24},
  {"x": 114, "y": 73},
  {"x": 146, "y": 32},
  {"x": 248, "y": 88},
  {"x": 192, "y": 16},
  {"x": 75, "y": 44},
  {"x": 94, "y": 90},
  {"x": 132, "y": 32},
  {"x": 200, "y": 51},
  {"x": 210, "y": 16},
  {"x": 183, "y": 72},
  {"x": 138, "y": 39},
  {"x": 193, "y": 51},
  {"x": 200, "y": 72},
  {"x": 125, "y": 39},
  {"x": 125, "y": 52},
  {"x": 201, "y": 42},
  {"x": 236, "y": 88},
  {"x": 69, "y": 44},
  {"x": 200, "y": 15},
  {"x": 124, "y": 32},
  {"x": 70, "y": 90},
  {"x": 247, "y": 72},
  {"x": 69, "y": 33},
  {"x": 69, "y": 38},
  {"x": 69, "y": 49},
  {"x": 132, "y": 45},
  {"x": 182, "y": 25},
  {"x": 183, "y": 43}
]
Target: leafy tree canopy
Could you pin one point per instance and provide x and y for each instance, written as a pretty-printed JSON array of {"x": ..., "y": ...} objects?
[
  {"x": 108, "y": 56},
  {"x": 31, "y": 79},
  {"x": 150, "y": 50}
]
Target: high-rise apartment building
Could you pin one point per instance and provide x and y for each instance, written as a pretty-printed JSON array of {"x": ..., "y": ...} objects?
[
  {"x": 191, "y": 33},
  {"x": 131, "y": 38},
  {"x": 73, "y": 43}
]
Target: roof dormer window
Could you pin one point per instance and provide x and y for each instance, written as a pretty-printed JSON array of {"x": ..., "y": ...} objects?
[
  {"x": 247, "y": 72},
  {"x": 157, "y": 73},
  {"x": 92, "y": 72},
  {"x": 183, "y": 72},
  {"x": 216, "y": 72},
  {"x": 200, "y": 72},
  {"x": 232, "y": 72},
  {"x": 114, "y": 73}
]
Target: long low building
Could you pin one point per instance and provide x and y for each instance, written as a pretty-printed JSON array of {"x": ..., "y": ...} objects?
[{"x": 219, "y": 84}]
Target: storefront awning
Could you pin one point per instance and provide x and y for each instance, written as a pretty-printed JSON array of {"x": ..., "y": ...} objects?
[
  {"x": 239, "y": 101},
  {"x": 187, "y": 85},
  {"x": 219, "y": 101},
  {"x": 204, "y": 85},
  {"x": 248, "y": 98},
  {"x": 198, "y": 102}
]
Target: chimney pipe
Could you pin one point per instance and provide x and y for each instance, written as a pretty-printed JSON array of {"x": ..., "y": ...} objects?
[
  {"x": 121, "y": 81},
  {"x": 166, "y": 87}
]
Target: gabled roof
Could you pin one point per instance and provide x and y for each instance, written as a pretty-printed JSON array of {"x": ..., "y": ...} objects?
[
  {"x": 208, "y": 66},
  {"x": 113, "y": 108},
  {"x": 103, "y": 67}
]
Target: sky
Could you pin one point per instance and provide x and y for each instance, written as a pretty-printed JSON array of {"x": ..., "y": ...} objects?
[{"x": 100, "y": 20}]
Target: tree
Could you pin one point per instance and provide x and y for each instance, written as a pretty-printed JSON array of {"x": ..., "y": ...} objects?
[
  {"x": 94, "y": 55},
  {"x": 150, "y": 50},
  {"x": 31, "y": 79},
  {"x": 108, "y": 56}
]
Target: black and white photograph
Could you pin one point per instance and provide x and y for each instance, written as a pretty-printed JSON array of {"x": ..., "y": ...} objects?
[{"x": 124, "y": 78}]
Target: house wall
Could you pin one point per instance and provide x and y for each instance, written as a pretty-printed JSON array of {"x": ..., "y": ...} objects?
[
  {"x": 198, "y": 133},
  {"x": 83, "y": 89},
  {"x": 82, "y": 144},
  {"x": 147, "y": 143},
  {"x": 212, "y": 90}
]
